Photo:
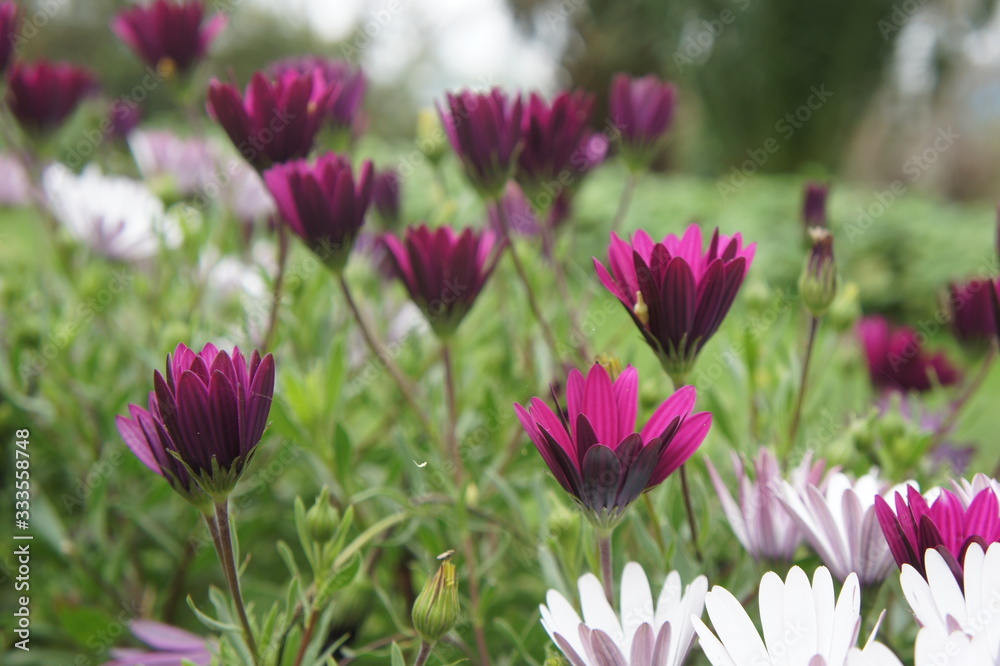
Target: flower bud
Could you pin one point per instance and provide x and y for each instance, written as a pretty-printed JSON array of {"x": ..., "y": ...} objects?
[
  {"x": 436, "y": 609},
  {"x": 431, "y": 138},
  {"x": 322, "y": 518},
  {"x": 818, "y": 283},
  {"x": 814, "y": 205}
]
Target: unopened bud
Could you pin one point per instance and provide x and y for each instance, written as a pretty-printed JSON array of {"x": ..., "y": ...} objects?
[
  {"x": 818, "y": 283},
  {"x": 322, "y": 518},
  {"x": 612, "y": 364},
  {"x": 814, "y": 205},
  {"x": 641, "y": 310},
  {"x": 430, "y": 135},
  {"x": 436, "y": 609}
]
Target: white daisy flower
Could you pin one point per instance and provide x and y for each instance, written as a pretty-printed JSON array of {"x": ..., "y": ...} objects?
[
  {"x": 117, "y": 217},
  {"x": 160, "y": 154},
  {"x": 644, "y": 635},
  {"x": 802, "y": 625}
]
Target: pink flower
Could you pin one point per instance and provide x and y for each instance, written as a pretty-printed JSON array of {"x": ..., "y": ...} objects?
[
  {"x": 9, "y": 27},
  {"x": 642, "y": 109},
  {"x": 171, "y": 647},
  {"x": 168, "y": 35},
  {"x": 676, "y": 292},
  {"x": 897, "y": 360},
  {"x": 595, "y": 451},
  {"x": 44, "y": 94}
]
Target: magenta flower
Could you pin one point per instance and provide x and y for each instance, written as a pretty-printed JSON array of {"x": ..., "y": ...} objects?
[
  {"x": 325, "y": 204},
  {"x": 170, "y": 36},
  {"x": 343, "y": 110},
  {"x": 10, "y": 24},
  {"x": 946, "y": 525},
  {"x": 814, "y": 205},
  {"x": 595, "y": 451},
  {"x": 971, "y": 310},
  {"x": 642, "y": 110},
  {"x": 386, "y": 194},
  {"x": 553, "y": 133},
  {"x": 275, "y": 121},
  {"x": 123, "y": 117},
  {"x": 485, "y": 131},
  {"x": 444, "y": 271},
  {"x": 171, "y": 646},
  {"x": 44, "y": 94},
  {"x": 208, "y": 414},
  {"x": 897, "y": 360},
  {"x": 676, "y": 292}
]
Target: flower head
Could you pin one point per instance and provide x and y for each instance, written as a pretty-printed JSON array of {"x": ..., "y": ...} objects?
[
  {"x": 324, "y": 203},
  {"x": 170, "y": 646},
  {"x": 343, "y": 110},
  {"x": 971, "y": 312},
  {"x": 277, "y": 120},
  {"x": 553, "y": 134},
  {"x": 596, "y": 453},
  {"x": 818, "y": 282},
  {"x": 118, "y": 218},
  {"x": 944, "y": 524},
  {"x": 642, "y": 109},
  {"x": 958, "y": 618},
  {"x": 757, "y": 516},
  {"x": 44, "y": 94},
  {"x": 644, "y": 634},
  {"x": 840, "y": 524},
  {"x": 897, "y": 360},
  {"x": 814, "y": 205},
  {"x": 187, "y": 164},
  {"x": 485, "y": 131},
  {"x": 802, "y": 624},
  {"x": 676, "y": 292},
  {"x": 444, "y": 271},
  {"x": 170, "y": 35},
  {"x": 386, "y": 193},
  {"x": 208, "y": 413},
  {"x": 10, "y": 23},
  {"x": 123, "y": 118}
]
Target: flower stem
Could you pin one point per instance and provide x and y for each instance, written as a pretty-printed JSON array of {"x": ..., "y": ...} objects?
[
  {"x": 423, "y": 655},
  {"x": 689, "y": 507},
  {"x": 970, "y": 389},
  {"x": 607, "y": 567},
  {"x": 477, "y": 623},
  {"x": 536, "y": 309},
  {"x": 793, "y": 430},
  {"x": 224, "y": 544},
  {"x": 655, "y": 522},
  {"x": 626, "y": 199},
  {"x": 279, "y": 281},
  {"x": 451, "y": 434},
  {"x": 379, "y": 350}
]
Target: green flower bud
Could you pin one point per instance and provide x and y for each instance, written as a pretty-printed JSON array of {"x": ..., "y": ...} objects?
[
  {"x": 322, "y": 519},
  {"x": 818, "y": 283},
  {"x": 436, "y": 609},
  {"x": 431, "y": 138},
  {"x": 846, "y": 308}
]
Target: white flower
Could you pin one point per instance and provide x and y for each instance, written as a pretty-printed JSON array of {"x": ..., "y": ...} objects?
[
  {"x": 956, "y": 628},
  {"x": 967, "y": 490},
  {"x": 117, "y": 217},
  {"x": 802, "y": 625},
  {"x": 226, "y": 277},
  {"x": 645, "y": 635},
  {"x": 840, "y": 524},
  {"x": 188, "y": 163},
  {"x": 759, "y": 520}
]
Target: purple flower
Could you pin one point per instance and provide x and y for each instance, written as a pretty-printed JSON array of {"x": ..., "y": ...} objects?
[
  {"x": 170, "y": 36},
  {"x": 971, "y": 311},
  {"x": 15, "y": 187},
  {"x": 517, "y": 212},
  {"x": 325, "y": 204},
  {"x": 814, "y": 205},
  {"x": 349, "y": 83},
  {"x": 188, "y": 164},
  {"x": 444, "y": 271},
  {"x": 386, "y": 193},
  {"x": 947, "y": 525},
  {"x": 897, "y": 360},
  {"x": 553, "y": 134},
  {"x": 275, "y": 121},
  {"x": 642, "y": 110},
  {"x": 757, "y": 516},
  {"x": 123, "y": 118},
  {"x": 676, "y": 292},
  {"x": 205, "y": 418},
  {"x": 171, "y": 647},
  {"x": 485, "y": 131},
  {"x": 10, "y": 24},
  {"x": 594, "y": 450},
  {"x": 44, "y": 94}
]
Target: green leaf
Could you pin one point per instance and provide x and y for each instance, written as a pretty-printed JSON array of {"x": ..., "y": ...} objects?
[
  {"x": 396, "y": 655},
  {"x": 338, "y": 581},
  {"x": 211, "y": 622}
]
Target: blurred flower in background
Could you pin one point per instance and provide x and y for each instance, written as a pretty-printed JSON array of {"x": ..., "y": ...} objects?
[
  {"x": 169, "y": 162},
  {"x": 44, "y": 94},
  {"x": 170, "y": 646},
  {"x": 15, "y": 187},
  {"x": 169, "y": 35},
  {"x": 642, "y": 109},
  {"x": 897, "y": 360},
  {"x": 9, "y": 26},
  {"x": 343, "y": 109}
]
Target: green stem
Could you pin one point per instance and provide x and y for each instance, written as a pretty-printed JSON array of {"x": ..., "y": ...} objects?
[
  {"x": 451, "y": 434},
  {"x": 607, "y": 567},
  {"x": 307, "y": 636},
  {"x": 626, "y": 199},
  {"x": 423, "y": 655},
  {"x": 689, "y": 507},
  {"x": 793, "y": 430},
  {"x": 657, "y": 531},
  {"x": 224, "y": 544},
  {"x": 380, "y": 352},
  {"x": 963, "y": 399},
  {"x": 279, "y": 281}
]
